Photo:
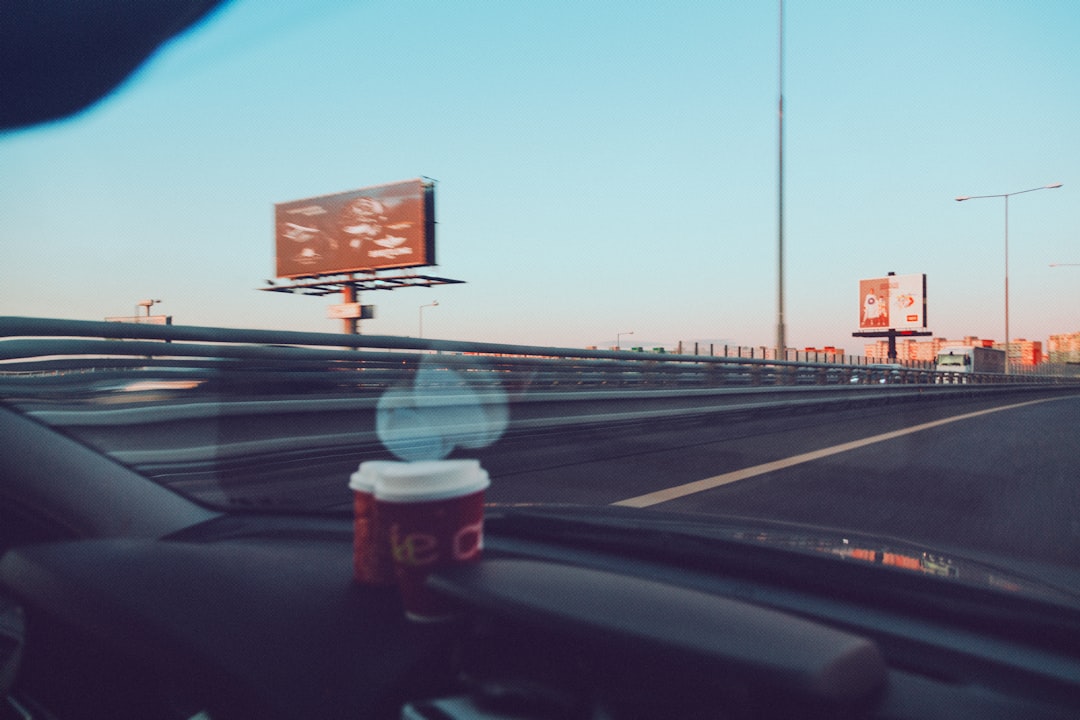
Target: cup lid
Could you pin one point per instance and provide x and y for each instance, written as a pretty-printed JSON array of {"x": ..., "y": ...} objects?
[
  {"x": 422, "y": 480},
  {"x": 363, "y": 480}
]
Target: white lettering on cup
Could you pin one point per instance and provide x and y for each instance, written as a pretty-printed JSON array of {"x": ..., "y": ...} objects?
[{"x": 469, "y": 541}]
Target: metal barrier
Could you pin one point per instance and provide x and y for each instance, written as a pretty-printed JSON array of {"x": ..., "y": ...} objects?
[
  {"x": 236, "y": 395},
  {"x": 39, "y": 344}
]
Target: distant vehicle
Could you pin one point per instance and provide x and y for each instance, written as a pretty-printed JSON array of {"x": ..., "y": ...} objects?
[
  {"x": 887, "y": 372},
  {"x": 879, "y": 373},
  {"x": 971, "y": 360}
]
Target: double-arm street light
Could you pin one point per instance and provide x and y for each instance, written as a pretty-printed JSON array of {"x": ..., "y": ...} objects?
[{"x": 1007, "y": 196}]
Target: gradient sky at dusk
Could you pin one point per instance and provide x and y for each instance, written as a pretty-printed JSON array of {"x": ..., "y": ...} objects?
[{"x": 602, "y": 167}]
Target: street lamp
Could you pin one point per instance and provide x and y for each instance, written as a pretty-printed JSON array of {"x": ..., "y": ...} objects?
[
  {"x": 433, "y": 303},
  {"x": 144, "y": 304},
  {"x": 962, "y": 198},
  {"x": 618, "y": 336},
  {"x": 781, "y": 340}
]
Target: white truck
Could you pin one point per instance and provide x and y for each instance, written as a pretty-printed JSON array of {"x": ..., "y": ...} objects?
[{"x": 969, "y": 360}]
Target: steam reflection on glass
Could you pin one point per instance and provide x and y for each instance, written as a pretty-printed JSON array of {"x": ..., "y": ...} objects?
[{"x": 452, "y": 402}]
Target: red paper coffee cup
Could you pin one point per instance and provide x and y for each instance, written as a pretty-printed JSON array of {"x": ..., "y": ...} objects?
[
  {"x": 372, "y": 564},
  {"x": 433, "y": 514}
]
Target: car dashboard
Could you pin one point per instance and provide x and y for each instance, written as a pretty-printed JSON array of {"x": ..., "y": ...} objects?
[{"x": 258, "y": 616}]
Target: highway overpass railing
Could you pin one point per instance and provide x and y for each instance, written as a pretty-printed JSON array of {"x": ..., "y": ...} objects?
[
  {"x": 136, "y": 389},
  {"x": 38, "y": 343}
]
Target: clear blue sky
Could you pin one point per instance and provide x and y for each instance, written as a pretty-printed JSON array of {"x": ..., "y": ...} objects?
[{"x": 602, "y": 167}]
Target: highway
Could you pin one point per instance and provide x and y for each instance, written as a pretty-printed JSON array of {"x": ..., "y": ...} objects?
[
  {"x": 999, "y": 475},
  {"x": 995, "y": 471},
  {"x": 233, "y": 417}
]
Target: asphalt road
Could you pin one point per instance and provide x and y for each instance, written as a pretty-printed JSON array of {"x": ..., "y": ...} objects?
[{"x": 1001, "y": 476}]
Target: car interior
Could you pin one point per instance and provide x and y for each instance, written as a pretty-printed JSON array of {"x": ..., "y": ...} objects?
[{"x": 120, "y": 598}]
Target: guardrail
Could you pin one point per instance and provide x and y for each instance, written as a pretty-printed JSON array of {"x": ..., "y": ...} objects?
[
  {"x": 62, "y": 346},
  {"x": 170, "y": 400}
]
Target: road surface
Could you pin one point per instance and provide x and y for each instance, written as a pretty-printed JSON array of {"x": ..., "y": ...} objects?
[{"x": 996, "y": 475}]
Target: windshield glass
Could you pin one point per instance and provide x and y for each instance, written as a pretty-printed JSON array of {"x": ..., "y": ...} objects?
[{"x": 686, "y": 257}]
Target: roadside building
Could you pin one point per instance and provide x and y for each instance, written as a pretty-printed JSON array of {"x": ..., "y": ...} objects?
[
  {"x": 910, "y": 350},
  {"x": 828, "y": 353},
  {"x": 1064, "y": 348},
  {"x": 1023, "y": 352}
]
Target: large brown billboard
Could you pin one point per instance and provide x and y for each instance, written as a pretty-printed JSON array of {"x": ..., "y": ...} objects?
[{"x": 374, "y": 228}]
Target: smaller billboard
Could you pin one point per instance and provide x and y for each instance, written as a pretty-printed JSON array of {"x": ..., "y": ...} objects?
[
  {"x": 895, "y": 302},
  {"x": 373, "y": 228}
]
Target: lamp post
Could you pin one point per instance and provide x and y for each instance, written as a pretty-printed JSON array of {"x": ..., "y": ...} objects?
[
  {"x": 433, "y": 303},
  {"x": 618, "y": 337},
  {"x": 962, "y": 198},
  {"x": 144, "y": 304},
  {"x": 781, "y": 340}
]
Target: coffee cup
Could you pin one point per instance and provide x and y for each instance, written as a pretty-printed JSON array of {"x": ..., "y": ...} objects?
[
  {"x": 372, "y": 564},
  {"x": 432, "y": 513}
]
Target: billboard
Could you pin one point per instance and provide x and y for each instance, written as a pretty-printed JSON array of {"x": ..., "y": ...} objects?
[
  {"x": 896, "y": 302},
  {"x": 374, "y": 228}
]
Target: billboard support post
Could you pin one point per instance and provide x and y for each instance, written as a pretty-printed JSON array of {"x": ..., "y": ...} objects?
[
  {"x": 891, "y": 335},
  {"x": 350, "y": 295}
]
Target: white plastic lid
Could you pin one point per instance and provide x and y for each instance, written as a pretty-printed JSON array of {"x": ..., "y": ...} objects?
[
  {"x": 420, "y": 481},
  {"x": 363, "y": 480}
]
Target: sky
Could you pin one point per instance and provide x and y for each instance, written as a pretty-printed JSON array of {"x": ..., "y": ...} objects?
[{"x": 602, "y": 168}]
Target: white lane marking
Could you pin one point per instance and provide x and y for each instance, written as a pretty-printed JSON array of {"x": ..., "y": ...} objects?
[{"x": 716, "y": 481}]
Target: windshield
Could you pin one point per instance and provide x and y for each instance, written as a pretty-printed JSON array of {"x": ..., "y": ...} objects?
[
  {"x": 952, "y": 359},
  {"x": 683, "y": 257}
]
